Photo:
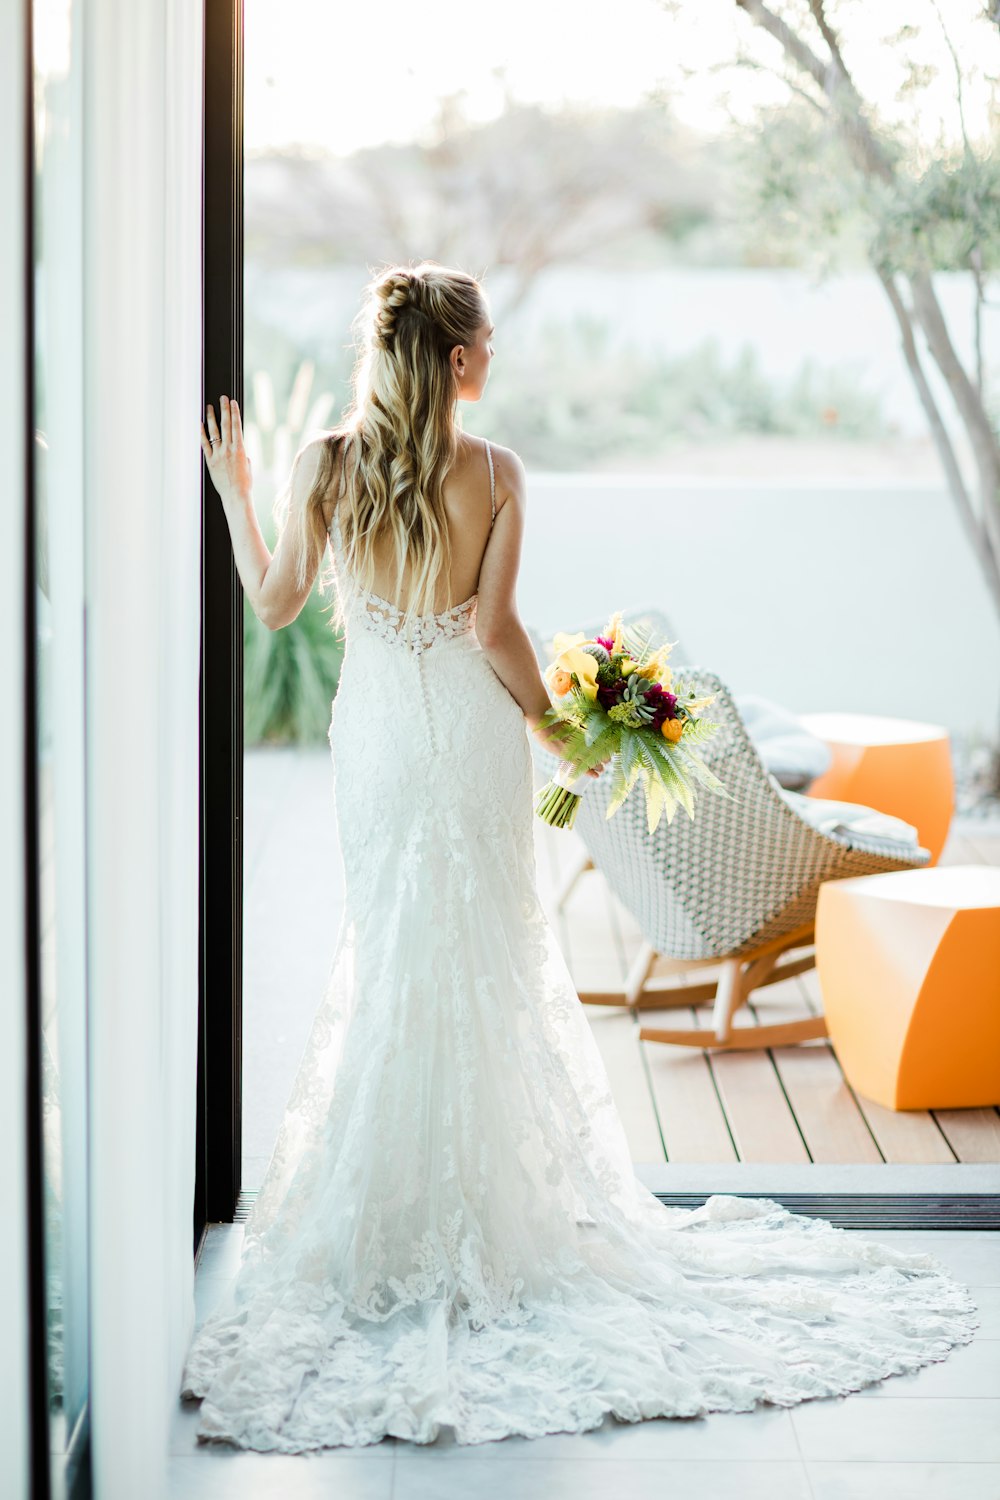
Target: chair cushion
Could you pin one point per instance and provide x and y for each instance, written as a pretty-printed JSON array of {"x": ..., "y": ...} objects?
[
  {"x": 851, "y": 823},
  {"x": 789, "y": 752}
]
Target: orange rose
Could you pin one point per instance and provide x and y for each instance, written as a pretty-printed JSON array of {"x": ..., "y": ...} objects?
[
  {"x": 672, "y": 729},
  {"x": 561, "y": 682}
]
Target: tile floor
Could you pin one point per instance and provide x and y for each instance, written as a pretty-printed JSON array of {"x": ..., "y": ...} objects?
[{"x": 934, "y": 1435}]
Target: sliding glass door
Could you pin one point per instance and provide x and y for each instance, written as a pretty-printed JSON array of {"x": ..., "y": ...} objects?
[{"x": 55, "y": 670}]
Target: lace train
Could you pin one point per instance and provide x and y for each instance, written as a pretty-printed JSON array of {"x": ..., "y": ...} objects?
[{"x": 450, "y": 1231}]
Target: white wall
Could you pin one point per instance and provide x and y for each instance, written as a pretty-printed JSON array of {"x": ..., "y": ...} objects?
[
  {"x": 13, "y": 1186},
  {"x": 842, "y": 597},
  {"x": 142, "y": 259}
]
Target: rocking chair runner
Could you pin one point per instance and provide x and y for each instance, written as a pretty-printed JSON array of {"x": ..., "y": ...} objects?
[{"x": 736, "y": 888}]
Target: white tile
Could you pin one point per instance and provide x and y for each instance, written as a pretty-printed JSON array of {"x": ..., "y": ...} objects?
[
  {"x": 970, "y": 1370},
  {"x": 899, "y": 1431},
  {"x": 835, "y": 1481},
  {"x": 971, "y": 1255},
  {"x": 228, "y": 1474},
  {"x": 183, "y": 1440},
  {"x": 220, "y": 1253},
  {"x": 209, "y": 1291},
  {"x": 613, "y": 1479},
  {"x": 988, "y": 1301},
  {"x": 765, "y": 1434}
]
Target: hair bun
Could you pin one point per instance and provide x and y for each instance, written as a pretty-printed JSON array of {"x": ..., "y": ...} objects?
[{"x": 394, "y": 293}]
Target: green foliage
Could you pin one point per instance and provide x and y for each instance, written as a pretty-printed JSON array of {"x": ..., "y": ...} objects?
[
  {"x": 574, "y": 399},
  {"x": 798, "y": 196},
  {"x": 290, "y": 677},
  {"x": 947, "y": 218},
  {"x": 802, "y": 200}
]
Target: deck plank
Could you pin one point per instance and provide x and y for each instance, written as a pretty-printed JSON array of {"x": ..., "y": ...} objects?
[
  {"x": 760, "y": 1118},
  {"x": 617, "y": 1037},
  {"x": 691, "y": 1115},
  {"x": 902, "y": 1135},
  {"x": 596, "y": 960},
  {"x": 823, "y": 1104},
  {"x": 974, "y": 1134},
  {"x": 691, "y": 1118}
]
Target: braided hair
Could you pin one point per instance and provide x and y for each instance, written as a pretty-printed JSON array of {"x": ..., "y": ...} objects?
[{"x": 399, "y": 441}]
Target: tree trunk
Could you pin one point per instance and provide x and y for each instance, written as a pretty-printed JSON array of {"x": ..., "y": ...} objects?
[{"x": 846, "y": 108}]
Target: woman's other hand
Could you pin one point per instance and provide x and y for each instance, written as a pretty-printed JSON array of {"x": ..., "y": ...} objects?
[
  {"x": 225, "y": 455},
  {"x": 553, "y": 738}
]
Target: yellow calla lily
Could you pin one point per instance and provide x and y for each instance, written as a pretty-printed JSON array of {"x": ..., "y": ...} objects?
[
  {"x": 569, "y": 658},
  {"x": 614, "y": 631},
  {"x": 694, "y": 705},
  {"x": 562, "y": 639}
]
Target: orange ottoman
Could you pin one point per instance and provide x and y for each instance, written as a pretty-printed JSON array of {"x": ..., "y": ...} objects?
[
  {"x": 909, "y": 968},
  {"x": 897, "y": 766}
]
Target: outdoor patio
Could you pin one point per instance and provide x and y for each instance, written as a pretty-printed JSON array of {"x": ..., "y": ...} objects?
[{"x": 788, "y": 1104}]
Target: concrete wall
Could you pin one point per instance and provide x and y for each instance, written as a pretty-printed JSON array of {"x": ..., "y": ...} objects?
[{"x": 821, "y": 597}]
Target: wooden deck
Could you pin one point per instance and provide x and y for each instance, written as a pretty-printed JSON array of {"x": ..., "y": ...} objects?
[{"x": 788, "y": 1104}]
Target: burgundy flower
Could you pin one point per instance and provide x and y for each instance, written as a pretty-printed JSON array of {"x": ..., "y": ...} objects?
[
  {"x": 602, "y": 640},
  {"x": 664, "y": 704}
]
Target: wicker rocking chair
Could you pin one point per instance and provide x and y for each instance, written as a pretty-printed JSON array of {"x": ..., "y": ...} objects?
[{"x": 735, "y": 889}]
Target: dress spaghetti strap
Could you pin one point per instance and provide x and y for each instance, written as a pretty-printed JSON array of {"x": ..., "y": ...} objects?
[{"x": 493, "y": 486}]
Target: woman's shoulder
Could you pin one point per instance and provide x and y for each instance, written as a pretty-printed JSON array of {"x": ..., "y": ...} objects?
[
  {"x": 320, "y": 455},
  {"x": 507, "y": 466}
]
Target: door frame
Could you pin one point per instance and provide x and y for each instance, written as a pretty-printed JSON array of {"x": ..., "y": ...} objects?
[{"x": 220, "y": 896}]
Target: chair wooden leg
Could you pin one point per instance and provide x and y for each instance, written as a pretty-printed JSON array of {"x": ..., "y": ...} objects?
[
  {"x": 664, "y": 993},
  {"x": 638, "y": 974},
  {"x": 738, "y": 979},
  {"x": 742, "y": 1038},
  {"x": 729, "y": 996}
]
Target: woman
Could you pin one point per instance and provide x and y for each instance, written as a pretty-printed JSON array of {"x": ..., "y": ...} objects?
[{"x": 450, "y": 1231}]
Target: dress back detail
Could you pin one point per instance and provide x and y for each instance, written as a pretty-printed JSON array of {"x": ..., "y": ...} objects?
[{"x": 381, "y": 617}]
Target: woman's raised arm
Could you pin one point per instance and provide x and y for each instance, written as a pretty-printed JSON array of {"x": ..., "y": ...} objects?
[{"x": 270, "y": 581}]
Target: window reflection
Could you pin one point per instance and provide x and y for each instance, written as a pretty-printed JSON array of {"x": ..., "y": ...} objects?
[{"x": 59, "y": 729}]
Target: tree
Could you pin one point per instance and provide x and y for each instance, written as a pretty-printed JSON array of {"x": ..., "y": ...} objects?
[
  {"x": 532, "y": 188},
  {"x": 921, "y": 217}
]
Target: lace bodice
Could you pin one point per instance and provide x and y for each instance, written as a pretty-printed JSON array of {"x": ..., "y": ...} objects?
[{"x": 372, "y": 613}]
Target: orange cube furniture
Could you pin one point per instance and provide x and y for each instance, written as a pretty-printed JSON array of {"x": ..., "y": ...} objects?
[
  {"x": 909, "y": 969},
  {"x": 897, "y": 766}
]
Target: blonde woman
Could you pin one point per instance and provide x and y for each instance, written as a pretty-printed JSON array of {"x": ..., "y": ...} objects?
[{"x": 450, "y": 1233}]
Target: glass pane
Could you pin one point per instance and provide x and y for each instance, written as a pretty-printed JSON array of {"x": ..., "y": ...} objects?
[{"x": 58, "y": 480}]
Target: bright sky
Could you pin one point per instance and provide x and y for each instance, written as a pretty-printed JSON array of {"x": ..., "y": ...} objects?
[{"x": 340, "y": 77}]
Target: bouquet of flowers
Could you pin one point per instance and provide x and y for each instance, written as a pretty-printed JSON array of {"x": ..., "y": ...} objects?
[{"x": 615, "y": 697}]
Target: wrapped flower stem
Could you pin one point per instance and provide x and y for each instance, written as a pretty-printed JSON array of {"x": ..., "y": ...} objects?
[{"x": 556, "y": 802}]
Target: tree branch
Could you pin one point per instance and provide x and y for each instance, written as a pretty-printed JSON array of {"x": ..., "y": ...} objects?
[
  {"x": 970, "y": 522},
  {"x": 829, "y": 36},
  {"x": 870, "y": 157},
  {"x": 836, "y": 83}
]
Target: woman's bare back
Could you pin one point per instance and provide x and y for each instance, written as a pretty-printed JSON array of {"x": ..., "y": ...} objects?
[{"x": 467, "y": 502}]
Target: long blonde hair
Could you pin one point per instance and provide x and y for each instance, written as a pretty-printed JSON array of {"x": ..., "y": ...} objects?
[{"x": 399, "y": 441}]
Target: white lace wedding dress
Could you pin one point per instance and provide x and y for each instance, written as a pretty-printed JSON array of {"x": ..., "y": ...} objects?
[{"x": 450, "y": 1231}]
